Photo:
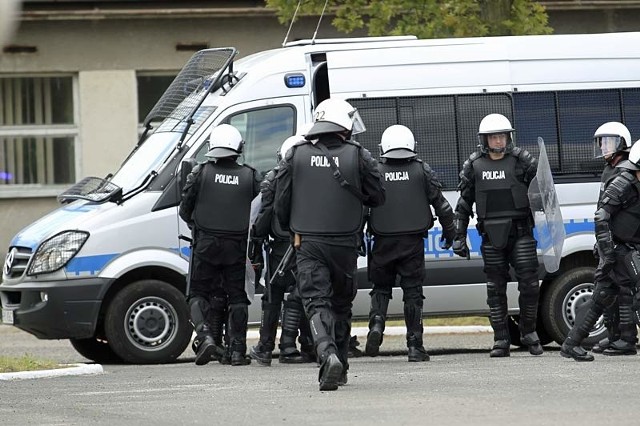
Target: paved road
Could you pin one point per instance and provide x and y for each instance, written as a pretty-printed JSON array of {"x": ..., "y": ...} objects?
[{"x": 461, "y": 385}]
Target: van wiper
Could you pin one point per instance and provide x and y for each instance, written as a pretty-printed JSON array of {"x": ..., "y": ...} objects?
[
  {"x": 94, "y": 189},
  {"x": 138, "y": 189}
]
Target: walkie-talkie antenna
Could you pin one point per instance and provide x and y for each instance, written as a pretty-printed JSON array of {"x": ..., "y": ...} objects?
[
  {"x": 286, "y": 37},
  {"x": 313, "y": 40}
]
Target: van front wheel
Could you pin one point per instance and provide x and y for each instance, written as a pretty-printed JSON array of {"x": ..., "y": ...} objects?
[
  {"x": 147, "y": 322},
  {"x": 96, "y": 350},
  {"x": 561, "y": 303}
]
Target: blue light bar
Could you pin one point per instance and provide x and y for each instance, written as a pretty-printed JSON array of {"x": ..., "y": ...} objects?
[{"x": 294, "y": 80}]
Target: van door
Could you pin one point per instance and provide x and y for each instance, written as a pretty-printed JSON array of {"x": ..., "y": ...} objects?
[{"x": 264, "y": 125}]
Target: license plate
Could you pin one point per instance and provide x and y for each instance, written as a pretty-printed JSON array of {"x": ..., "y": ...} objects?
[{"x": 7, "y": 317}]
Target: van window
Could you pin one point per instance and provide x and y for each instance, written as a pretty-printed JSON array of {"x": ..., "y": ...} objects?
[
  {"x": 263, "y": 130},
  {"x": 446, "y": 127}
]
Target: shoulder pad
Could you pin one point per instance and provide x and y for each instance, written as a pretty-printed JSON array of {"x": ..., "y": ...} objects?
[
  {"x": 474, "y": 156},
  {"x": 628, "y": 176},
  {"x": 354, "y": 143},
  {"x": 420, "y": 161},
  {"x": 248, "y": 166},
  {"x": 516, "y": 151}
]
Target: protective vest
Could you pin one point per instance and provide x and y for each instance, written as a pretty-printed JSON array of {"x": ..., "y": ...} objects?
[
  {"x": 406, "y": 209},
  {"x": 500, "y": 192},
  {"x": 625, "y": 225},
  {"x": 319, "y": 205},
  {"x": 224, "y": 198}
]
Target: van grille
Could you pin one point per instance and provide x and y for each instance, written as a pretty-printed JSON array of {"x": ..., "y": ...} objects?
[{"x": 16, "y": 262}]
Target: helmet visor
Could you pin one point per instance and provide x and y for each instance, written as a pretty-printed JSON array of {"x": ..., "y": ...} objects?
[
  {"x": 604, "y": 146},
  {"x": 358, "y": 124}
]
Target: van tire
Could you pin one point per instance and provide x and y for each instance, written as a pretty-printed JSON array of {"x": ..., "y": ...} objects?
[
  {"x": 147, "y": 322},
  {"x": 559, "y": 303},
  {"x": 96, "y": 350}
]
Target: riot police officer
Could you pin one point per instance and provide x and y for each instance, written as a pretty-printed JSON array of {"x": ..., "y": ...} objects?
[
  {"x": 293, "y": 317},
  {"x": 496, "y": 179},
  {"x": 612, "y": 142},
  {"x": 617, "y": 228},
  {"x": 399, "y": 227},
  {"x": 216, "y": 202},
  {"x": 322, "y": 186}
]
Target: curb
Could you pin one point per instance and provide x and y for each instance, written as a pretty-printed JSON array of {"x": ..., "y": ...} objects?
[
  {"x": 401, "y": 331},
  {"x": 73, "y": 370}
]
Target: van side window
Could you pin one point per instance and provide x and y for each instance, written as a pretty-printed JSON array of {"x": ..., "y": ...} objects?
[
  {"x": 263, "y": 130},
  {"x": 446, "y": 126}
]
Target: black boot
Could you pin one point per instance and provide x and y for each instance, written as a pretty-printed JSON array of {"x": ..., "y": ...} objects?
[
  {"x": 377, "y": 317},
  {"x": 626, "y": 345},
  {"x": 238, "y": 315},
  {"x": 217, "y": 320},
  {"x": 532, "y": 341},
  {"x": 413, "y": 321},
  {"x": 322, "y": 328},
  {"x": 600, "y": 347},
  {"x": 204, "y": 345},
  {"x": 343, "y": 342},
  {"x": 611, "y": 320},
  {"x": 416, "y": 351},
  {"x": 571, "y": 346},
  {"x": 374, "y": 337},
  {"x": 291, "y": 319},
  {"x": 268, "y": 329},
  {"x": 497, "y": 301},
  {"x": 572, "y": 349},
  {"x": 621, "y": 347},
  {"x": 501, "y": 349},
  {"x": 330, "y": 373}
]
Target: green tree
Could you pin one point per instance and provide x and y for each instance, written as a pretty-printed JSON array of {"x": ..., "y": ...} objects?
[{"x": 426, "y": 18}]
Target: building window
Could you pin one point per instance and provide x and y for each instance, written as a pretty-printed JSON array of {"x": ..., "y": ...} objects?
[
  {"x": 38, "y": 133},
  {"x": 150, "y": 89}
]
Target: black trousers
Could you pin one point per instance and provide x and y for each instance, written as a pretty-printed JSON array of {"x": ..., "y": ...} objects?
[{"x": 326, "y": 281}]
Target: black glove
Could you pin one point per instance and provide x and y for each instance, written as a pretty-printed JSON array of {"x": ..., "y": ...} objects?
[
  {"x": 448, "y": 235},
  {"x": 460, "y": 246},
  {"x": 255, "y": 251}
]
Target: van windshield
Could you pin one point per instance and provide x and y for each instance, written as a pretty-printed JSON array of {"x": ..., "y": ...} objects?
[{"x": 149, "y": 156}]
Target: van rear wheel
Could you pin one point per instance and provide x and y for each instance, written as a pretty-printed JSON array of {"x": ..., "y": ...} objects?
[
  {"x": 96, "y": 350},
  {"x": 147, "y": 322},
  {"x": 561, "y": 303}
]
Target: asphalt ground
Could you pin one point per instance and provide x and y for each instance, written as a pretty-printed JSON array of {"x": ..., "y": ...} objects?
[{"x": 461, "y": 385}]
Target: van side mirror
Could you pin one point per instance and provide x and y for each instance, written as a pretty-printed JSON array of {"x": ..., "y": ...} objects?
[{"x": 185, "y": 168}]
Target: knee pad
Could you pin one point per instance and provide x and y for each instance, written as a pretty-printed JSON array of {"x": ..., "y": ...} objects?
[
  {"x": 413, "y": 294},
  {"x": 604, "y": 298}
]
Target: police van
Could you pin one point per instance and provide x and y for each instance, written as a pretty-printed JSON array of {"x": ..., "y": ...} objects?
[{"x": 107, "y": 270}]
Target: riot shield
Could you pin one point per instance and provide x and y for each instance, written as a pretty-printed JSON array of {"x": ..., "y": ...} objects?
[
  {"x": 546, "y": 213},
  {"x": 250, "y": 273}
]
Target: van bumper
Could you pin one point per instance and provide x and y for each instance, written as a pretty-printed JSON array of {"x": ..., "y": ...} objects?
[{"x": 56, "y": 310}]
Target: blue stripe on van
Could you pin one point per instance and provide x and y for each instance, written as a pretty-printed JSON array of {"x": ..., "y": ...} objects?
[
  {"x": 88, "y": 264},
  {"x": 432, "y": 242}
]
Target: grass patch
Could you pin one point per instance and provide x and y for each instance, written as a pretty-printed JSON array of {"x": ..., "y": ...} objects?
[
  {"x": 429, "y": 322},
  {"x": 25, "y": 363}
]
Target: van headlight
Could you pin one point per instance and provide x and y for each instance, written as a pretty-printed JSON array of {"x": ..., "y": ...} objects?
[{"x": 56, "y": 252}]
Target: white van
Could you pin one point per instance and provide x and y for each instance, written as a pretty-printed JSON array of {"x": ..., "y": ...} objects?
[{"x": 107, "y": 269}]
